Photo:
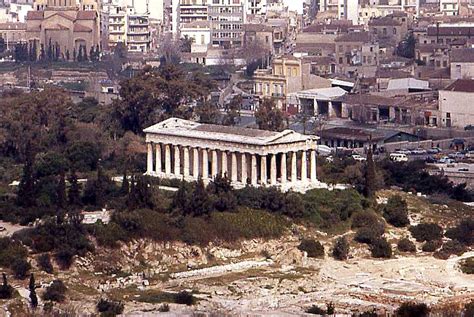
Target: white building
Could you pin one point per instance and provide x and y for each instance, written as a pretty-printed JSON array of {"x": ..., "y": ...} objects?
[
  {"x": 180, "y": 149},
  {"x": 455, "y": 104},
  {"x": 449, "y": 7},
  {"x": 200, "y": 32}
]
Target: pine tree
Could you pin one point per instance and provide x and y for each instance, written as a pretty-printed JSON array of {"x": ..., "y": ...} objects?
[
  {"x": 74, "y": 193},
  {"x": 181, "y": 199},
  {"x": 26, "y": 188},
  {"x": 32, "y": 288},
  {"x": 370, "y": 176}
]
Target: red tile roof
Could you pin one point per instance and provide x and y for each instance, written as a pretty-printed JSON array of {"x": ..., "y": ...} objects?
[
  {"x": 81, "y": 28},
  {"x": 353, "y": 37},
  {"x": 461, "y": 85},
  {"x": 34, "y": 15},
  {"x": 86, "y": 15}
]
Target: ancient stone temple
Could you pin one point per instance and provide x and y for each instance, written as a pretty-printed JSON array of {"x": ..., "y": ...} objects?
[{"x": 180, "y": 149}]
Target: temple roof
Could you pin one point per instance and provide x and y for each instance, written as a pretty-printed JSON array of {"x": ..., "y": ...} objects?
[{"x": 190, "y": 129}]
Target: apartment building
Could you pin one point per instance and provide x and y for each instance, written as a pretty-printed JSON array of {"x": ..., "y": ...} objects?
[
  {"x": 227, "y": 18},
  {"x": 449, "y": 7},
  {"x": 128, "y": 27}
]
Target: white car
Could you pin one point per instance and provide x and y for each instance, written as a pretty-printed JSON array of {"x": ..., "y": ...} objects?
[
  {"x": 406, "y": 152},
  {"x": 398, "y": 157},
  {"x": 358, "y": 158}
]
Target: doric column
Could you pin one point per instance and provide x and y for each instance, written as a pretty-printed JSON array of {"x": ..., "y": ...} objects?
[
  {"x": 205, "y": 164},
  {"x": 158, "y": 158},
  {"x": 313, "y": 166},
  {"x": 294, "y": 175},
  {"x": 233, "y": 175},
  {"x": 224, "y": 164},
  {"x": 149, "y": 165},
  {"x": 283, "y": 168},
  {"x": 254, "y": 170},
  {"x": 304, "y": 167},
  {"x": 273, "y": 169},
  {"x": 167, "y": 159},
  {"x": 186, "y": 161},
  {"x": 244, "y": 168},
  {"x": 196, "y": 163},
  {"x": 177, "y": 160},
  {"x": 214, "y": 170},
  {"x": 263, "y": 169}
]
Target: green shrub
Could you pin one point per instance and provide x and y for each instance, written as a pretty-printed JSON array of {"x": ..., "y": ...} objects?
[
  {"x": 463, "y": 232},
  {"x": 431, "y": 246},
  {"x": 109, "y": 308},
  {"x": 316, "y": 310},
  {"x": 380, "y": 248},
  {"x": 405, "y": 245},
  {"x": 20, "y": 268},
  {"x": 185, "y": 298},
  {"x": 369, "y": 234},
  {"x": 55, "y": 292},
  {"x": 247, "y": 224},
  {"x": 10, "y": 251},
  {"x": 341, "y": 249},
  {"x": 449, "y": 248},
  {"x": 426, "y": 232},
  {"x": 396, "y": 211},
  {"x": 313, "y": 248},
  {"x": 410, "y": 309},
  {"x": 365, "y": 219},
  {"x": 467, "y": 266},
  {"x": 44, "y": 263}
]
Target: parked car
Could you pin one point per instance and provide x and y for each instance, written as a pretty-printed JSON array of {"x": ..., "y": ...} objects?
[
  {"x": 358, "y": 158},
  {"x": 434, "y": 150},
  {"x": 418, "y": 151},
  {"x": 470, "y": 154},
  {"x": 403, "y": 151},
  {"x": 398, "y": 157},
  {"x": 446, "y": 160},
  {"x": 463, "y": 169},
  {"x": 2, "y": 229},
  {"x": 457, "y": 156}
]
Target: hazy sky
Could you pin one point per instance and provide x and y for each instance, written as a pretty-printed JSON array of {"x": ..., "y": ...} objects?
[{"x": 295, "y": 5}]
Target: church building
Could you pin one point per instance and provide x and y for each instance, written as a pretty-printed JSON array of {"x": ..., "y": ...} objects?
[{"x": 70, "y": 26}]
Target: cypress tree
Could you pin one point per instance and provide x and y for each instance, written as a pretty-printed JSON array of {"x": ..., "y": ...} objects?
[
  {"x": 6, "y": 291},
  {"x": 32, "y": 288},
  {"x": 26, "y": 188},
  {"x": 74, "y": 193},
  {"x": 369, "y": 188},
  {"x": 124, "y": 190}
]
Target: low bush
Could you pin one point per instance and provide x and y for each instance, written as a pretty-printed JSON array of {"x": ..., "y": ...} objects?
[
  {"x": 365, "y": 219},
  {"x": 371, "y": 313},
  {"x": 313, "y": 248},
  {"x": 109, "y": 308},
  {"x": 20, "y": 268},
  {"x": 467, "y": 266},
  {"x": 316, "y": 310},
  {"x": 431, "y": 246},
  {"x": 44, "y": 263},
  {"x": 369, "y": 234},
  {"x": 405, "y": 245},
  {"x": 380, "y": 248},
  {"x": 463, "y": 232},
  {"x": 449, "y": 248},
  {"x": 56, "y": 292},
  {"x": 341, "y": 249},
  {"x": 396, "y": 211},
  {"x": 426, "y": 232},
  {"x": 185, "y": 298},
  {"x": 410, "y": 309},
  {"x": 10, "y": 251},
  {"x": 164, "y": 308}
]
